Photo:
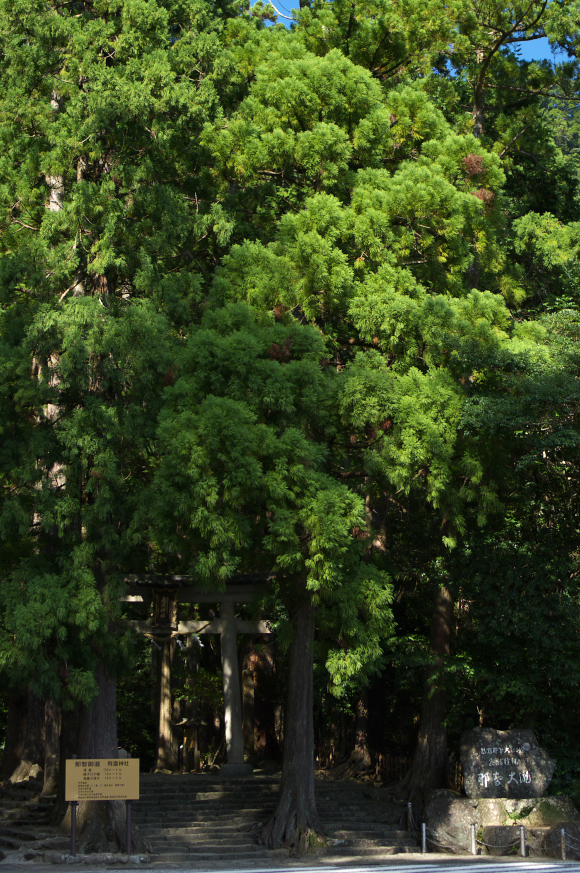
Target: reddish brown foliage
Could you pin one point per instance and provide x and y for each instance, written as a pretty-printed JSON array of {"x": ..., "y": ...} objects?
[
  {"x": 277, "y": 353},
  {"x": 486, "y": 196},
  {"x": 473, "y": 164}
]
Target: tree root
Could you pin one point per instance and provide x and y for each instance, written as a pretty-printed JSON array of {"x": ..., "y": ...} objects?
[
  {"x": 358, "y": 764},
  {"x": 102, "y": 828},
  {"x": 300, "y": 838},
  {"x": 26, "y": 770}
]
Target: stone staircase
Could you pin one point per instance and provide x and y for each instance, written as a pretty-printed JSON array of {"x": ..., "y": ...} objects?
[
  {"x": 204, "y": 821},
  {"x": 26, "y": 828}
]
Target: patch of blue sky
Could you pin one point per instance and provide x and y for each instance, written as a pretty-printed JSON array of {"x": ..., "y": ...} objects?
[
  {"x": 283, "y": 10},
  {"x": 539, "y": 50}
]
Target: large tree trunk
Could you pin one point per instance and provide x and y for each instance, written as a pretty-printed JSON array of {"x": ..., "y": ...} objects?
[
  {"x": 359, "y": 761},
  {"x": 478, "y": 111},
  {"x": 294, "y": 823},
  {"x": 265, "y": 703},
  {"x": 166, "y": 743},
  {"x": 14, "y": 740},
  {"x": 32, "y": 758},
  {"x": 101, "y": 825},
  {"x": 431, "y": 761},
  {"x": 248, "y": 717},
  {"x": 52, "y": 723},
  {"x": 68, "y": 748}
]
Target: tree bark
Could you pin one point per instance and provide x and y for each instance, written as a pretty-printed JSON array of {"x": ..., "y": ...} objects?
[
  {"x": 359, "y": 760},
  {"x": 478, "y": 111},
  {"x": 68, "y": 748},
  {"x": 14, "y": 741},
  {"x": 430, "y": 763},
  {"x": 248, "y": 720},
  {"x": 294, "y": 823},
  {"x": 52, "y": 722},
  {"x": 32, "y": 758},
  {"x": 166, "y": 745},
  {"x": 265, "y": 703}
]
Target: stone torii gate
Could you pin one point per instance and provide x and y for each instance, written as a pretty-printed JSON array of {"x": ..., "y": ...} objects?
[{"x": 163, "y": 593}]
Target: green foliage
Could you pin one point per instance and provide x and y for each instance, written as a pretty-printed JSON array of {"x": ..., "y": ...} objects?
[
  {"x": 242, "y": 480},
  {"x": 258, "y": 295},
  {"x": 550, "y": 255},
  {"x": 90, "y": 421},
  {"x": 135, "y": 722},
  {"x": 388, "y": 38}
]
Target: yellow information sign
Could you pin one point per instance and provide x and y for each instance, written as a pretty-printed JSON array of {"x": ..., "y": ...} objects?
[{"x": 102, "y": 779}]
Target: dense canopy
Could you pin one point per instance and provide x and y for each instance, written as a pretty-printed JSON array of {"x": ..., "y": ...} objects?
[{"x": 302, "y": 301}]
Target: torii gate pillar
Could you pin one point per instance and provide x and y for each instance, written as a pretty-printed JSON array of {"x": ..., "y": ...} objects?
[{"x": 236, "y": 766}]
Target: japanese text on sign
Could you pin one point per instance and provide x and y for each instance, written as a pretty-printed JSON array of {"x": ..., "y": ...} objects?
[{"x": 102, "y": 779}]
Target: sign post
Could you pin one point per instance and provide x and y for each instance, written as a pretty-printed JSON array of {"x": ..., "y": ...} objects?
[{"x": 101, "y": 779}]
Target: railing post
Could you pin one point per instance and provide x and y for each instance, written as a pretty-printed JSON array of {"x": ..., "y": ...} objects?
[
  {"x": 73, "y": 827},
  {"x": 563, "y": 843},
  {"x": 522, "y": 841},
  {"x": 128, "y": 817},
  {"x": 423, "y": 838},
  {"x": 409, "y": 816},
  {"x": 473, "y": 840}
]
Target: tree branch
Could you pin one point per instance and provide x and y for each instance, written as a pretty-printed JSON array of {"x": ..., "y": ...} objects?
[
  {"x": 512, "y": 141},
  {"x": 277, "y": 11}
]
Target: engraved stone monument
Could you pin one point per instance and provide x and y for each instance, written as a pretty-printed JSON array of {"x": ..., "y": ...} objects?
[{"x": 504, "y": 764}]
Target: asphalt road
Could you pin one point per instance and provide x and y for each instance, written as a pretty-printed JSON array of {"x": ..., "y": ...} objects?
[{"x": 413, "y": 864}]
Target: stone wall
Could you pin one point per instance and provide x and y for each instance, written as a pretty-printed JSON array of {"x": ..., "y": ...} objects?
[{"x": 449, "y": 819}]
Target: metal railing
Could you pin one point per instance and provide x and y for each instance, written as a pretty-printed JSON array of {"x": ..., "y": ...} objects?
[{"x": 477, "y": 843}]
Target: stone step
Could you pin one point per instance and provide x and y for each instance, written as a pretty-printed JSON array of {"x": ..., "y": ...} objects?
[
  {"x": 243, "y": 804},
  {"x": 25, "y": 836},
  {"x": 216, "y": 808},
  {"x": 224, "y": 847},
  {"x": 224, "y": 790},
  {"x": 198, "y": 836},
  {"x": 369, "y": 851},
  {"x": 220, "y": 854},
  {"x": 9, "y": 842},
  {"x": 217, "y": 812},
  {"x": 210, "y": 794},
  {"x": 18, "y": 818},
  {"x": 55, "y": 842},
  {"x": 181, "y": 818},
  {"x": 150, "y": 794},
  {"x": 368, "y": 834},
  {"x": 370, "y": 817},
  {"x": 212, "y": 847},
  {"x": 363, "y": 843},
  {"x": 188, "y": 857},
  {"x": 192, "y": 817},
  {"x": 194, "y": 833},
  {"x": 11, "y": 814},
  {"x": 164, "y": 839},
  {"x": 25, "y": 820},
  {"x": 203, "y": 781}
]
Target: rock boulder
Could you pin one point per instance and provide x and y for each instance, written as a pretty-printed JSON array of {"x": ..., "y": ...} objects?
[
  {"x": 504, "y": 764},
  {"x": 450, "y": 817}
]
